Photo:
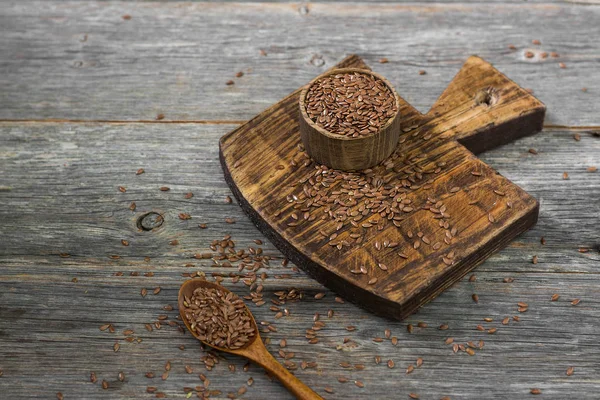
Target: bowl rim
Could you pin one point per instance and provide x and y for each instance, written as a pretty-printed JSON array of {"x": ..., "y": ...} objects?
[{"x": 325, "y": 132}]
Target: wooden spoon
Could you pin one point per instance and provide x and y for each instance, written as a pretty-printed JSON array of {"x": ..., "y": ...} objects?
[{"x": 254, "y": 350}]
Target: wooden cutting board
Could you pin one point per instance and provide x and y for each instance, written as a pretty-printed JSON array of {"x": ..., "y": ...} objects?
[{"x": 424, "y": 217}]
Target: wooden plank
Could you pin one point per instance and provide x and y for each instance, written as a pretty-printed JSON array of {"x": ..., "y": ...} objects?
[
  {"x": 58, "y": 193},
  {"x": 436, "y": 241},
  {"x": 82, "y": 61}
]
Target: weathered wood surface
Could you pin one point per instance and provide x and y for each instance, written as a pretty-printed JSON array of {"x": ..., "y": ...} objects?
[
  {"x": 82, "y": 61},
  {"x": 263, "y": 167},
  {"x": 59, "y": 195}
]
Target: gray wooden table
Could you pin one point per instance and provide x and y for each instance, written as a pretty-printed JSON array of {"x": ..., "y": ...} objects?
[{"x": 83, "y": 86}]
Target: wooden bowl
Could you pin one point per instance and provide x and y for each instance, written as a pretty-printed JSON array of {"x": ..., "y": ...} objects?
[{"x": 344, "y": 152}]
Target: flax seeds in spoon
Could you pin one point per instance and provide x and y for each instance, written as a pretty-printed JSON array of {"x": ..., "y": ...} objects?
[{"x": 219, "y": 318}]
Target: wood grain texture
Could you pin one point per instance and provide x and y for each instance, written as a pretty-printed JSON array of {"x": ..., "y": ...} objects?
[
  {"x": 443, "y": 209},
  {"x": 82, "y": 61},
  {"x": 58, "y": 194}
]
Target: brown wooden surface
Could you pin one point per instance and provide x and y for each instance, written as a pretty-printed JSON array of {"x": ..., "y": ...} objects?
[{"x": 482, "y": 211}]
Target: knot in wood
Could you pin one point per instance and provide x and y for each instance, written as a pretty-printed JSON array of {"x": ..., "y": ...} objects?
[{"x": 150, "y": 221}]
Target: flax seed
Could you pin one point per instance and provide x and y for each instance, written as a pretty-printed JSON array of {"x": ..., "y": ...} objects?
[
  {"x": 351, "y": 104},
  {"x": 219, "y": 318}
]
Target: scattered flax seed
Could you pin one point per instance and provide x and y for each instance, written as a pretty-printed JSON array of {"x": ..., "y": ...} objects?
[
  {"x": 533, "y": 151},
  {"x": 570, "y": 371},
  {"x": 116, "y": 347},
  {"x": 562, "y": 65},
  {"x": 202, "y": 226},
  {"x": 140, "y": 171},
  {"x": 132, "y": 206},
  {"x": 575, "y": 302},
  {"x": 475, "y": 298},
  {"x": 491, "y": 331},
  {"x": 124, "y": 242},
  {"x": 391, "y": 364},
  {"x": 160, "y": 117},
  {"x": 565, "y": 175},
  {"x": 105, "y": 384},
  {"x": 230, "y": 220},
  {"x": 339, "y": 300},
  {"x": 535, "y": 391},
  {"x": 93, "y": 377},
  {"x": 144, "y": 292},
  {"x": 126, "y": 17},
  {"x": 422, "y": 324},
  {"x": 228, "y": 200},
  {"x": 449, "y": 340},
  {"x": 329, "y": 389},
  {"x": 383, "y": 60},
  {"x": 394, "y": 340},
  {"x": 577, "y": 137},
  {"x": 229, "y": 82},
  {"x": 59, "y": 396},
  {"x": 184, "y": 216},
  {"x": 121, "y": 376},
  {"x": 413, "y": 395},
  {"x": 529, "y": 54},
  {"x": 512, "y": 47},
  {"x": 422, "y": 72},
  {"x": 164, "y": 188},
  {"x": 188, "y": 195},
  {"x": 534, "y": 260},
  {"x": 536, "y": 42},
  {"x": 419, "y": 362},
  {"x": 239, "y": 74},
  {"x": 156, "y": 290},
  {"x": 104, "y": 327},
  {"x": 592, "y": 169},
  {"x": 491, "y": 218},
  {"x": 410, "y": 369},
  {"x": 359, "y": 384},
  {"x": 555, "y": 297},
  {"x": 319, "y": 296},
  {"x": 505, "y": 321},
  {"x": 508, "y": 280},
  {"x": 443, "y": 327},
  {"x": 472, "y": 278},
  {"x": 122, "y": 189},
  {"x": 487, "y": 319}
]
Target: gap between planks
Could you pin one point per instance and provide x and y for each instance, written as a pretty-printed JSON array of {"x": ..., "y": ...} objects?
[{"x": 216, "y": 122}]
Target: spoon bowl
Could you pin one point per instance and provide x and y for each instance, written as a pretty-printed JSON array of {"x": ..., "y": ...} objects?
[{"x": 254, "y": 349}]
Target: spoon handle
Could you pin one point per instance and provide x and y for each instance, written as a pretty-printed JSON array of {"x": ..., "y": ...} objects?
[{"x": 263, "y": 358}]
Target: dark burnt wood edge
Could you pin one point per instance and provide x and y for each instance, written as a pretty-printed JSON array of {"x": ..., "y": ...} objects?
[
  {"x": 348, "y": 291},
  {"x": 468, "y": 264},
  {"x": 490, "y": 137}
]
